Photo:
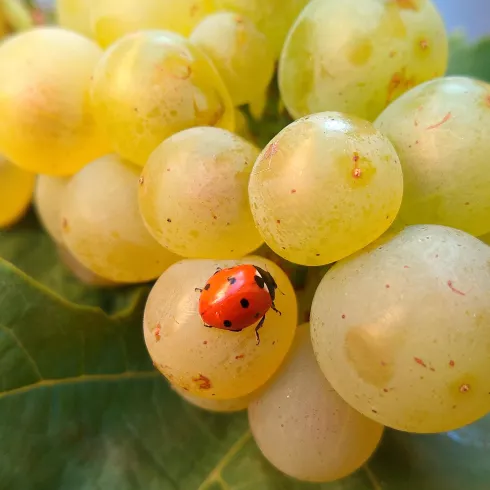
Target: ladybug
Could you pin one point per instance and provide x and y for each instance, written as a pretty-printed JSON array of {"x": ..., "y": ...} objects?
[{"x": 237, "y": 297}]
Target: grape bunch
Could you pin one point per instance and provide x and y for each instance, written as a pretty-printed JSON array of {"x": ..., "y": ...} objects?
[{"x": 132, "y": 126}]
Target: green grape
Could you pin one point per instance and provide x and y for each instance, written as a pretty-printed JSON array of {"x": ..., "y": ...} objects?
[
  {"x": 113, "y": 19},
  {"x": 16, "y": 188},
  {"x": 272, "y": 17},
  {"x": 210, "y": 362},
  {"x": 299, "y": 419},
  {"x": 211, "y": 405},
  {"x": 194, "y": 194},
  {"x": 440, "y": 132},
  {"x": 48, "y": 196},
  {"x": 102, "y": 226},
  {"x": 152, "y": 84},
  {"x": 75, "y": 15},
  {"x": 325, "y": 186},
  {"x": 47, "y": 126},
  {"x": 239, "y": 51},
  {"x": 357, "y": 57},
  {"x": 402, "y": 329}
]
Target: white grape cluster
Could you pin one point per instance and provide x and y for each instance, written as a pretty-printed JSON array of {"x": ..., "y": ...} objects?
[{"x": 126, "y": 126}]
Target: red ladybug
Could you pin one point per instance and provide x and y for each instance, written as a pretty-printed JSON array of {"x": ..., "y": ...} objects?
[{"x": 237, "y": 297}]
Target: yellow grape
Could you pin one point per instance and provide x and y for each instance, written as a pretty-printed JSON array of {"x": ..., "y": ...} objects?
[
  {"x": 401, "y": 330},
  {"x": 485, "y": 238},
  {"x": 440, "y": 131},
  {"x": 211, "y": 405},
  {"x": 299, "y": 419},
  {"x": 152, "y": 84},
  {"x": 112, "y": 19},
  {"x": 16, "y": 188},
  {"x": 242, "y": 128},
  {"x": 326, "y": 186},
  {"x": 47, "y": 125},
  {"x": 357, "y": 57},
  {"x": 272, "y": 17},
  {"x": 48, "y": 196},
  {"x": 239, "y": 51},
  {"x": 194, "y": 194},
  {"x": 210, "y": 362},
  {"x": 75, "y": 15},
  {"x": 102, "y": 226}
]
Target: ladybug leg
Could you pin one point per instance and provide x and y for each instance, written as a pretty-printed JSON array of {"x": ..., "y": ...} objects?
[
  {"x": 258, "y": 327},
  {"x": 198, "y": 290},
  {"x": 275, "y": 309},
  {"x": 207, "y": 326}
]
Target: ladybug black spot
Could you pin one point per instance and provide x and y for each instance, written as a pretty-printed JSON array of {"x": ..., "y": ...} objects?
[
  {"x": 244, "y": 303},
  {"x": 259, "y": 280},
  {"x": 227, "y": 323},
  {"x": 207, "y": 286},
  {"x": 231, "y": 280}
]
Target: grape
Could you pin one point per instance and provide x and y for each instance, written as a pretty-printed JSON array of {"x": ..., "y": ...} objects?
[
  {"x": 48, "y": 196},
  {"x": 16, "y": 188},
  {"x": 325, "y": 186},
  {"x": 302, "y": 425},
  {"x": 47, "y": 125},
  {"x": 231, "y": 405},
  {"x": 272, "y": 17},
  {"x": 153, "y": 84},
  {"x": 486, "y": 238},
  {"x": 193, "y": 194},
  {"x": 75, "y": 15},
  {"x": 402, "y": 329},
  {"x": 343, "y": 55},
  {"x": 210, "y": 362},
  {"x": 239, "y": 51},
  {"x": 242, "y": 128},
  {"x": 112, "y": 19},
  {"x": 102, "y": 226},
  {"x": 440, "y": 131}
]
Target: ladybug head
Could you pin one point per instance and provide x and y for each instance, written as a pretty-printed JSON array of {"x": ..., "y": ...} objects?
[{"x": 269, "y": 282}]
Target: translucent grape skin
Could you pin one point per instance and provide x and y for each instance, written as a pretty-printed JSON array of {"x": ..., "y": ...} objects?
[
  {"x": 16, "y": 188},
  {"x": 239, "y": 51},
  {"x": 113, "y": 19},
  {"x": 272, "y": 17},
  {"x": 401, "y": 329},
  {"x": 75, "y": 15},
  {"x": 299, "y": 419},
  {"x": 342, "y": 56},
  {"x": 209, "y": 362},
  {"x": 207, "y": 215},
  {"x": 212, "y": 405},
  {"x": 152, "y": 84},
  {"x": 441, "y": 133},
  {"x": 48, "y": 195},
  {"x": 47, "y": 126},
  {"x": 325, "y": 186},
  {"x": 102, "y": 226}
]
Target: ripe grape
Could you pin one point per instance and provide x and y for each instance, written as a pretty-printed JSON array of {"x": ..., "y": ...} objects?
[
  {"x": 441, "y": 133},
  {"x": 485, "y": 238},
  {"x": 211, "y": 362},
  {"x": 239, "y": 51},
  {"x": 402, "y": 329},
  {"x": 47, "y": 126},
  {"x": 325, "y": 186},
  {"x": 341, "y": 55},
  {"x": 242, "y": 127},
  {"x": 272, "y": 17},
  {"x": 152, "y": 84},
  {"x": 113, "y": 19},
  {"x": 231, "y": 405},
  {"x": 16, "y": 188},
  {"x": 48, "y": 196},
  {"x": 102, "y": 226},
  {"x": 75, "y": 15},
  {"x": 299, "y": 419},
  {"x": 194, "y": 194}
]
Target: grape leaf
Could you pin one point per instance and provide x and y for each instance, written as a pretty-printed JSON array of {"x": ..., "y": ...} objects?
[{"x": 81, "y": 407}]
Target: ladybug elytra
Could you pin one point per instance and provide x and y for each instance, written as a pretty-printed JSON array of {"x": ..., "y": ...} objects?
[{"x": 237, "y": 297}]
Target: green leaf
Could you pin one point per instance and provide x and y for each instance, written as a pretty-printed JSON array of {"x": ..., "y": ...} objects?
[{"x": 81, "y": 407}]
